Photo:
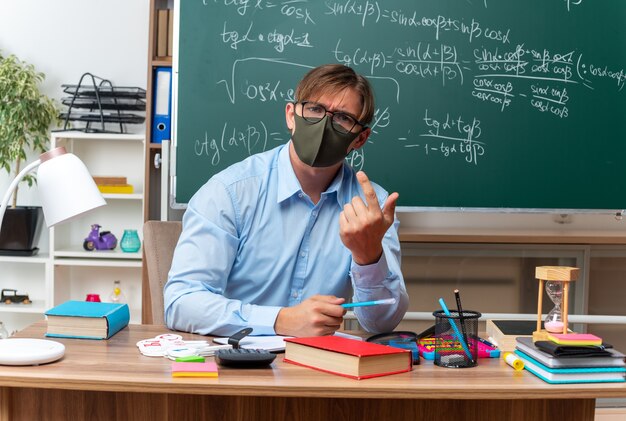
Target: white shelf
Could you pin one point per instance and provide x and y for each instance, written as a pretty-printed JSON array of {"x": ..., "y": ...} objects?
[
  {"x": 78, "y": 135},
  {"x": 79, "y": 252},
  {"x": 135, "y": 263},
  {"x": 36, "y": 307},
  {"x": 38, "y": 258},
  {"x": 125, "y": 196}
]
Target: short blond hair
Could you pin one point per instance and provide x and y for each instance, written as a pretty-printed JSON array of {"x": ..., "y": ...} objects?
[{"x": 332, "y": 79}]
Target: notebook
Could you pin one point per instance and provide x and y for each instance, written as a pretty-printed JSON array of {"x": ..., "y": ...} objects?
[
  {"x": 525, "y": 345},
  {"x": 573, "y": 375}
]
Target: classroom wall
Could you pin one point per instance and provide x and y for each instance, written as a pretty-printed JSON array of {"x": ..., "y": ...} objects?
[{"x": 65, "y": 38}]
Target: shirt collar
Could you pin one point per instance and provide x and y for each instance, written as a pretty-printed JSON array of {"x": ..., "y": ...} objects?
[{"x": 288, "y": 183}]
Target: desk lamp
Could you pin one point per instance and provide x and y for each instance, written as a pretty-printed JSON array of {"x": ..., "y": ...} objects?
[
  {"x": 66, "y": 188},
  {"x": 557, "y": 279}
]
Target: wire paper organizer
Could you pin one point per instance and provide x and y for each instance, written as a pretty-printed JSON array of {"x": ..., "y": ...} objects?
[{"x": 95, "y": 100}]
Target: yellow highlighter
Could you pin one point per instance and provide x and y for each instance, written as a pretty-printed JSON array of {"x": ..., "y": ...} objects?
[{"x": 514, "y": 361}]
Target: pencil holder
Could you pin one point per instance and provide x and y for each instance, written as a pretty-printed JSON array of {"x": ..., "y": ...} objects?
[{"x": 455, "y": 338}]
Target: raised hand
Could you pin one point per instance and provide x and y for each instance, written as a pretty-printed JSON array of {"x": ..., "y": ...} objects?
[{"x": 363, "y": 226}]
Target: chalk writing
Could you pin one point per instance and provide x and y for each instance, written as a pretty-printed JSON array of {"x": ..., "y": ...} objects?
[
  {"x": 231, "y": 84},
  {"x": 356, "y": 159},
  {"x": 492, "y": 91},
  {"x": 547, "y": 99},
  {"x": 450, "y": 136},
  {"x": 267, "y": 91},
  {"x": 279, "y": 40},
  {"x": 252, "y": 139},
  {"x": 571, "y": 3}
]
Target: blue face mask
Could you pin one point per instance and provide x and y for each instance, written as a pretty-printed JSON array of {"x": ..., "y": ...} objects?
[{"x": 318, "y": 144}]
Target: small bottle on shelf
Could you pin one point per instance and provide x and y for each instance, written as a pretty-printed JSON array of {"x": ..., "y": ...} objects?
[{"x": 117, "y": 296}]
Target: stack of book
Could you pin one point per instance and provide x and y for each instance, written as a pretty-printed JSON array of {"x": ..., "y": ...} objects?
[
  {"x": 557, "y": 363},
  {"x": 113, "y": 185}
]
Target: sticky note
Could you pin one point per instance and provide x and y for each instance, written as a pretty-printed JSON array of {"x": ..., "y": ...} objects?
[{"x": 187, "y": 369}]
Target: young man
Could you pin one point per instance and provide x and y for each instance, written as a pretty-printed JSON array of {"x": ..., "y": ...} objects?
[{"x": 279, "y": 241}]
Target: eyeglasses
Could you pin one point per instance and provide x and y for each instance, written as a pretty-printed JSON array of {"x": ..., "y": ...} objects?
[{"x": 342, "y": 122}]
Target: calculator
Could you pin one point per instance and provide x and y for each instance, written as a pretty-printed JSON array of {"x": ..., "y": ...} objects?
[{"x": 244, "y": 358}]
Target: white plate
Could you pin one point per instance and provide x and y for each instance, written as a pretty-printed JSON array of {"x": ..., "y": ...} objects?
[{"x": 27, "y": 351}]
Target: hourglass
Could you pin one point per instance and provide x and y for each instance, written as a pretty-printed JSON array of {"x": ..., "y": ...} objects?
[{"x": 556, "y": 279}]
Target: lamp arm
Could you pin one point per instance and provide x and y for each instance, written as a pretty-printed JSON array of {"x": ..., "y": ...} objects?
[{"x": 7, "y": 196}]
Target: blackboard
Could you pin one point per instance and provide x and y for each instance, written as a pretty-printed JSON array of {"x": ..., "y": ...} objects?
[{"x": 505, "y": 104}]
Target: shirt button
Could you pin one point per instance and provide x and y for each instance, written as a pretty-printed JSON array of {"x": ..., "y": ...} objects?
[
  {"x": 300, "y": 195},
  {"x": 294, "y": 295},
  {"x": 303, "y": 254},
  {"x": 314, "y": 214}
]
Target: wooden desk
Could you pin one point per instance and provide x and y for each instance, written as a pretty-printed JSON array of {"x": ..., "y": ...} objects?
[{"x": 108, "y": 380}]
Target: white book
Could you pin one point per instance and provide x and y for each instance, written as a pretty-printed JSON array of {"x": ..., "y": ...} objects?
[{"x": 527, "y": 346}]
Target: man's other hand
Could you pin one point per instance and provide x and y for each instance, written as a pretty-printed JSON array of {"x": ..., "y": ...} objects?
[{"x": 316, "y": 316}]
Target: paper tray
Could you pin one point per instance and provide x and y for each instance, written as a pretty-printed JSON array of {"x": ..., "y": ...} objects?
[
  {"x": 107, "y": 103},
  {"x": 96, "y": 117},
  {"x": 105, "y": 91}
]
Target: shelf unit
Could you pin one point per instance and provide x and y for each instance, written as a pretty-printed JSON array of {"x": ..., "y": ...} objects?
[
  {"x": 29, "y": 275},
  {"x": 74, "y": 273},
  {"x": 63, "y": 270},
  {"x": 153, "y": 150}
]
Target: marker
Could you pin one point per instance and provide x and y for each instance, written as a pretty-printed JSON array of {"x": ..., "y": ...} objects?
[
  {"x": 485, "y": 341},
  {"x": 370, "y": 303}
]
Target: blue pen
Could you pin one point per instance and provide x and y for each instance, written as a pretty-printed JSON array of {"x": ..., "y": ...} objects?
[
  {"x": 369, "y": 303},
  {"x": 456, "y": 329}
]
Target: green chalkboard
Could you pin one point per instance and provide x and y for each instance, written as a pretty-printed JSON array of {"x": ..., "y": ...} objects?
[{"x": 480, "y": 104}]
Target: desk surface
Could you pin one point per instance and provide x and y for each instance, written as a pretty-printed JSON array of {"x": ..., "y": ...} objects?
[{"x": 116, "y": 365}]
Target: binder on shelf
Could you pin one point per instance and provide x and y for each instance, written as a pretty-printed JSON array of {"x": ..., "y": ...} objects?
[{"x": 162, "y": 110}]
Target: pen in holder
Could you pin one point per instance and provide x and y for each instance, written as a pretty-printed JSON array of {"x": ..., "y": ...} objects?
[{"x": 451, "y": 349}]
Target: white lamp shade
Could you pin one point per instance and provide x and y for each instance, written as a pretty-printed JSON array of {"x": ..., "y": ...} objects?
[{"x": 66, "y": 189}]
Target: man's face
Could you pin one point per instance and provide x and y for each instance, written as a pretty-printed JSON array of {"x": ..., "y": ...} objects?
[{"x": 347, "y": 101}]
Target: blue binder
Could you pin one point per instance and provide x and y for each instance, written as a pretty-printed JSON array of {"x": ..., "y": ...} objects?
[{"x": 162, "y": 105}]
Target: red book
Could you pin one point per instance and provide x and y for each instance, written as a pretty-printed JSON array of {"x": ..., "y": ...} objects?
[{"x": 347, "y": 357}]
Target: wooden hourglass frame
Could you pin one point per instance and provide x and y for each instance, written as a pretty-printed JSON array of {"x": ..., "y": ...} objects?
[{"x": 564, "y": 274}]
